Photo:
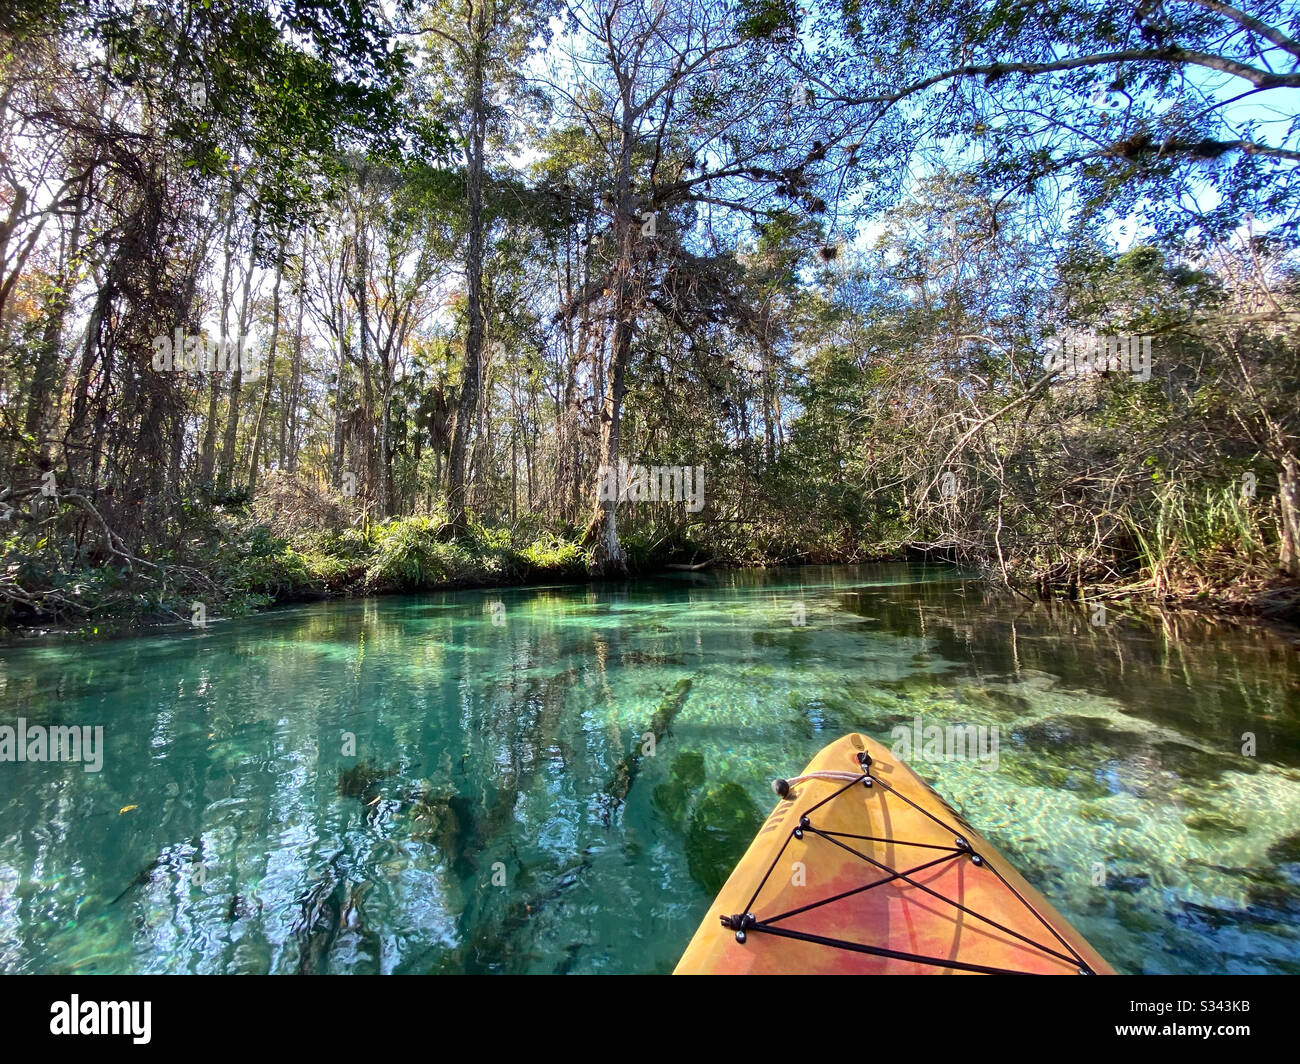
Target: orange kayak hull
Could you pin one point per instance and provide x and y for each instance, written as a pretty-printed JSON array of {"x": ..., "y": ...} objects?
[{"x": 883, "y": 879}]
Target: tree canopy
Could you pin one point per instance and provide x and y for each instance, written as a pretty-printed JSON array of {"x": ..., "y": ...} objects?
[{"x": 476, "y": 261}]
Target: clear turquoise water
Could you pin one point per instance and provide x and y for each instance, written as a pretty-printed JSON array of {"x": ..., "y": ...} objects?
[{"x": 513, "y": 752}]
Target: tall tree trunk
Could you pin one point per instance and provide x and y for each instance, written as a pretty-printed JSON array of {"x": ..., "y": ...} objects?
[
  {"x": 269, "y": 370},
  {"x": 384, "y": 501},
  {"x": 289, "y": 448},
  {"x": 340, "y": 421},
  {"x": 769, "y": 402},
  {"x": 81, "y": 463},
  {"x": 208, "y": 449},
  {"x": 365, "y": 430},
  {"x": 458, "y": 464},
  {"x": 1288, "y": 499},
  {"x": 43, "y": 402},
  {"x": 609, "y": 556},
  {"x": 226, "y": 464}
]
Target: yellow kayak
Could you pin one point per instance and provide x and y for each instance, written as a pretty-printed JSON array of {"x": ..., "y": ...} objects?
[{"x": 862, "y": 868}]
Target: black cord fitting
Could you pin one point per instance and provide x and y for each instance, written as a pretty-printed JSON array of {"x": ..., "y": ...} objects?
[{"x": 739, "y": 923}]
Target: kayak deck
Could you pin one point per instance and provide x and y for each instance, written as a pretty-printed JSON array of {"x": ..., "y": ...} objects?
[{"x": 881, "y": 877}]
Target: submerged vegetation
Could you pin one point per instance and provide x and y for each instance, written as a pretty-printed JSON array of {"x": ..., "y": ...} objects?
[{"x": 306, "y": 300}]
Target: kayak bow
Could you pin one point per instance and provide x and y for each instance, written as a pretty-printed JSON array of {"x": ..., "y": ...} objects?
[{"x": 864, "y": 869}]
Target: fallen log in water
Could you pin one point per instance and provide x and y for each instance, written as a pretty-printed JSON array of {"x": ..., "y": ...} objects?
[{"x": 615, "y": 791}]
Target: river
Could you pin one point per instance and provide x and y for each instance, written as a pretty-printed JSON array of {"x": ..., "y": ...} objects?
[{"x": 558, "y": 779}]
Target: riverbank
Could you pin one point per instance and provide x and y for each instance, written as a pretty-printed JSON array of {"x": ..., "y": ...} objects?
[
  {"x": 240, "y": 568},
  {"x": 235, "y": 570}
]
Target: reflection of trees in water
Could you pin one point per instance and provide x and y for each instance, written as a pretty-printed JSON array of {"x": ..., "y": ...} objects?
[{"x": 1212, "y": 680}]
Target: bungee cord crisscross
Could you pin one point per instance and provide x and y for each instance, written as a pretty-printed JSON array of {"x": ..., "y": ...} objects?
[{"x": 747, "y": 922}]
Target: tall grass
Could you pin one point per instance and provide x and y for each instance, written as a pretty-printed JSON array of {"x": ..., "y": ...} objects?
[{"x": 1209, "y": 536}]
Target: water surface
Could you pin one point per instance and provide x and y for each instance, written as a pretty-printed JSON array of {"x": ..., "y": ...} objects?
[{"x": 435, "y": 784}]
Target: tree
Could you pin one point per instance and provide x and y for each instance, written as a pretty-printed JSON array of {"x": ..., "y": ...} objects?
[
  {"x": 483, "y": 46},
  {"x": 1153, "y": 108},
  {"x": 695, "y": 132}
]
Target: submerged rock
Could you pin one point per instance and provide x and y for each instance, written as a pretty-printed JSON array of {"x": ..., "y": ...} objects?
[
  {"x": 650, "y": 658},
  {"x": 1190, "y": 762},
  {"x": 1097, "y": 813},
  {"x": 1077, "y": 732},
  {"x": 1285, "y": 857}
]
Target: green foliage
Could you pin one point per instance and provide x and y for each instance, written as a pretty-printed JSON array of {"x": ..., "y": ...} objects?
[
  {"x": 237, "y": 571},
  {"x": 555, "y": 557},
  {"x": 762, "y": 20},
  {"x": 1214, "y": 531},
  {"x": 408, "y": 557}
]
